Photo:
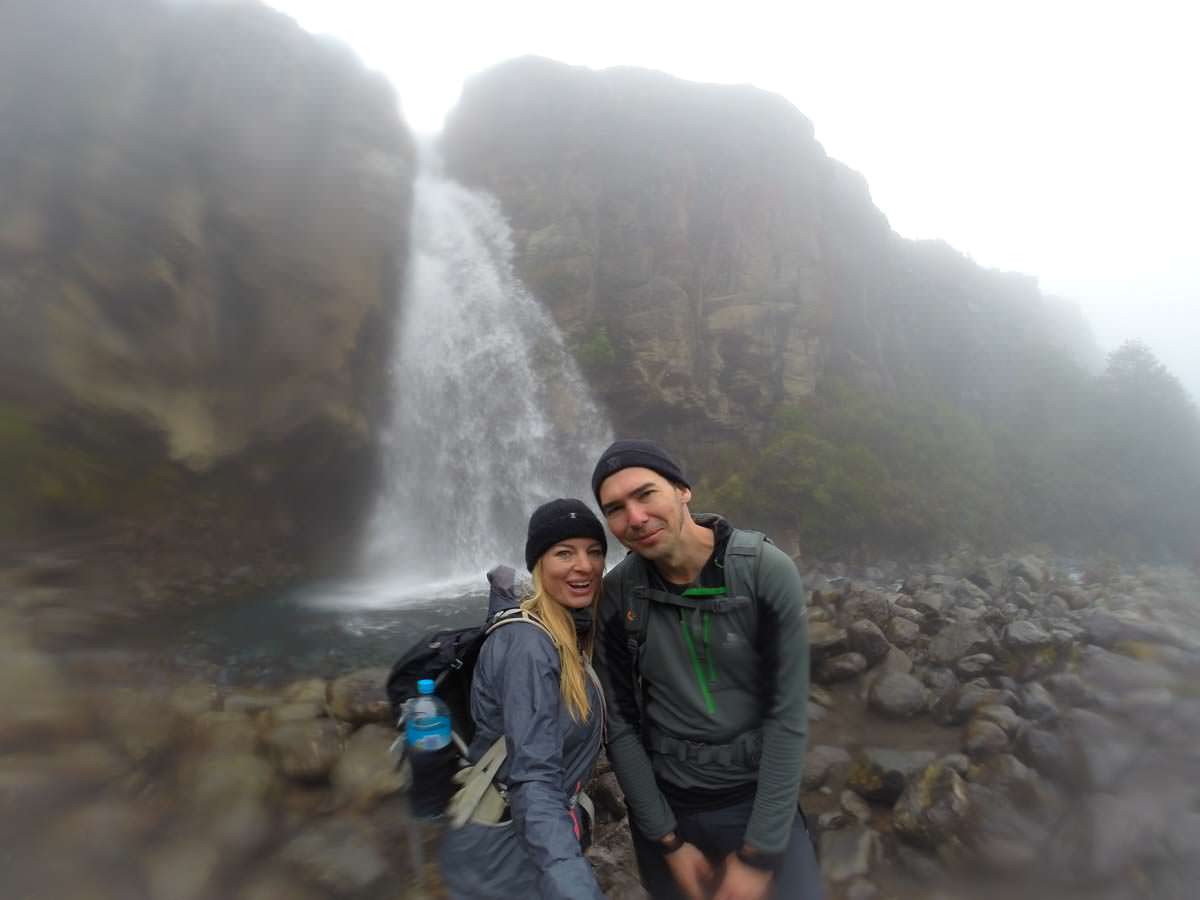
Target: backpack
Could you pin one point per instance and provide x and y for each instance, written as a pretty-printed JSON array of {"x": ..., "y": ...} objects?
[{"x": 448, "y": 656}]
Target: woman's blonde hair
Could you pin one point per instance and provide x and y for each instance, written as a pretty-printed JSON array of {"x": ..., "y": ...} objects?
[{"x": 559, "y": 622}]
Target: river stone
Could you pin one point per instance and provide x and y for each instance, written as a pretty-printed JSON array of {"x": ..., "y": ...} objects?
[
  {"x": 833, "y": 820},
  {"x": 249, "y": 702},
  {"x": 959, "y": 762},
  {"x": 822, "y": 764},
  {"x": 855, "y": 806},
  {"x": 366, "y": 772},
  {"x": 1002, "y": 838},
  {"x": 225, "y": 731},
  {"x": 1113, "y": 672},
  {"x": 1007, "y": 774},
  {"x": 824, "y": 641},
  {"x": 897, "y": 661},
  {"x": 194, "y": 698},
  {"x": 276, "y": 884},
  {"x": 1001, "y": 716},
  {"x": 983, "y": 738},
  {"x": 308, "y": 690},
  {"x": 955, "y": 707},
  {"x": 360, "y": 697},
  {"x": 1046, "y": 752},
  {"x": 819, "y": 695},
  {"x": 1037, "y": 704},
  {"x": 1025, "y": 635},
  {"x": 1030, "y": 568},
  {"x": 340, "y": 855},
  {"x": 297, "y": 711},
  {"x": 143, "y": 726},
  {"x": 305, "y": 751},
  {"x": 932, "y": 807},
  {"x": 865, "y": 637},
  {"x": 902, "y": 632},
  {"x": 1070, "y": 690},
  {"x": 931, "y": 603},
  {"x": 1107, "y": 629},
  {"x": 848, "y": 853},
  {"x": 897, "y": 695},
  {"x": 1105, "y": 749},
  {"x": 870, "y": 606},
  {"x": 183, "y": 870},
  {"x": 879, "y": 774},
  {"x": 955, "y": 641},
  {"x": 974, "y": 665},
  {"x": 218, "y": 779},
  {"x": 841, "y": 668}
]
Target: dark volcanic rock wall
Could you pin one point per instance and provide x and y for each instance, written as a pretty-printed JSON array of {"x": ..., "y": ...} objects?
[
  {"x": 709, "y": 260},
  {"x": 203, "y": 218}
]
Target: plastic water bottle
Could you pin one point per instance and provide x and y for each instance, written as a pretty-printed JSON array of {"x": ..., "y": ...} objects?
[{"x": 427, "y": 733}]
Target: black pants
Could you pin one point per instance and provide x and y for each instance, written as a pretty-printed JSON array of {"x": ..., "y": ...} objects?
[{"x": 718, "y": 833}]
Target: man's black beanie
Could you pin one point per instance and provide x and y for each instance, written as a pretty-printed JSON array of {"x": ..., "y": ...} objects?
[
  {"x": 630, "y": 453},
  {"x": 557, "y": 521}
]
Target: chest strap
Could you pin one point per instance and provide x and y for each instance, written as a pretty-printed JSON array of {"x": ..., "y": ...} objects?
[{"x": 744, "y": 751}]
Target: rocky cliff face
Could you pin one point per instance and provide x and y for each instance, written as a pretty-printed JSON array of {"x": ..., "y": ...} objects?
[
  {"x": 203, "y": 215},
  {"x": 710, "y": 261}
]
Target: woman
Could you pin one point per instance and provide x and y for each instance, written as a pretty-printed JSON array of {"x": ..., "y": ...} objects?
[{"x": 534, "y": 686}]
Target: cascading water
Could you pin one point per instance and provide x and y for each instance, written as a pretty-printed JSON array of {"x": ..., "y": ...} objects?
[{"x": 491, "y": 417}]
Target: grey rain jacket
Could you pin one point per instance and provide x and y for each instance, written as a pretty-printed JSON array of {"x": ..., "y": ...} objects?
[
  {"x": 758, "y": 649},
  {"x": 515, "y": 692}
]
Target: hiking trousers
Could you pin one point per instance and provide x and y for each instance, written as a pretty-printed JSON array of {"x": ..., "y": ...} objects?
[{"x": 719, "y": 832}]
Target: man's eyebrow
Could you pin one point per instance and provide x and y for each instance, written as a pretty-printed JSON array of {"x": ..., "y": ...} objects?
[{"x": 616, "y": 503}]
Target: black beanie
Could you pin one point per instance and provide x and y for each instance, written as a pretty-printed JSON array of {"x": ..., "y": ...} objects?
[
  {"x": 557, "y": 521},
  {"x": 629, "y": 454}
]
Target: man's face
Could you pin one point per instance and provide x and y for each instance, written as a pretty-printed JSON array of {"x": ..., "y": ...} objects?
[{"x": 645, "y": 512}]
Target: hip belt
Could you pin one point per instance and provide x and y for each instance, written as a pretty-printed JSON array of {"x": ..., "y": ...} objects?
[{"x": 744, "y": 750}]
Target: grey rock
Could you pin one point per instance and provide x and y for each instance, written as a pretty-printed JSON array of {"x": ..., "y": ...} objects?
[
  {"x": 897, "y": 661},
  {"x": 902, "y": 632},
  {"x": 855, "y": 806},
  {"x": 880, "y": 774},
  {"x": 959, "y": 762},
  {"x": 366, "y": 771},
  {"x": 1036, "y": 703},
  {"x": 1070, "y": 689},
  {"x": 975, "y": 665},
  {"x": 931, "y": 603},
  {"x": 960, "y": 639},
  {"x": 339, "y": 854},
  {"x": 360, "y": 697},
  {"x": 841, "y": 668},
  {"x": 932, "y": 808},
  {"x": 984, "y": 738},
  {"x": 307, "y": 750},
  {"x": 1002, "y": 716},
  {"x": 1048, "y": 753},
  {"x": 1025, "y": 635},
  {"x": 824, "y": 763},
  {"x": 1029, "y": 567},
  {"x": 866, "y": 638},
  {"x": 825, "y": 641},
  {"x": 1121, "y": 674},
  {"x": 848, "y": 853},
  {"x": 1105, "y": 750},
  {"x": 869, "y": 605},
  {"x": 897, "y": 695},
  {"x": 834, "y": 820},
  {"x": 1107, "y": 629}
]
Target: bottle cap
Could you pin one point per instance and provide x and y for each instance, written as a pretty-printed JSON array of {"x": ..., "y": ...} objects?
[{"x": 425, "y": 686}]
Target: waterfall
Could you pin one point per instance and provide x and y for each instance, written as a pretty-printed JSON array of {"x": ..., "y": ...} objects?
[{"x": 491, "y": 415}]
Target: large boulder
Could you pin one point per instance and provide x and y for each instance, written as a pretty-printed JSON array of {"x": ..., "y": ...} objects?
[
  {"x": 879, "y": 774},
  {"x": 932, "y": 808},
  {"x": 897, "y": 695},
  {"x": 957, "y": 640},
  {"x": 865, "y": 637},
  {"x": 360, "y": 697}
]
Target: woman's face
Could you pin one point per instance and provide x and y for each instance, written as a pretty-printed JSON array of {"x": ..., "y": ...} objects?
[{"x": 571, "y": 571}]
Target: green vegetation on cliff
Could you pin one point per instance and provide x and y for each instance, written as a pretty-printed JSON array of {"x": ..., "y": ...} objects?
[{"x": 1106, "y": 463}]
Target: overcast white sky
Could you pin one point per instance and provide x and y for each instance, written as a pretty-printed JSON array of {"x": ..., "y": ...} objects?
[{"x": 1057, "y": 138}]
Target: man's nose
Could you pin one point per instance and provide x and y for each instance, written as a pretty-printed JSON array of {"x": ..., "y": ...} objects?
[{"x": 637, "y": 514}]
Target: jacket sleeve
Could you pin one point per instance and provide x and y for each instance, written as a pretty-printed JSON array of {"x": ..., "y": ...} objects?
[
  {"x": 613, "y": 662},
  {"x": 530, "y": 703},
  {"x": 785, "y": 721}
]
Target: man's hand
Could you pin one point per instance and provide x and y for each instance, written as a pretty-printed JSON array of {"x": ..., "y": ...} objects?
[
  {"x": 691, "y": 871},
  {"x": 742, "y": 882}
]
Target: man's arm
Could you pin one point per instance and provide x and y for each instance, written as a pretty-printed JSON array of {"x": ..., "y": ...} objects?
[
  {"x": 626, "y": 752},
  {"x": 785, "y": 722}
]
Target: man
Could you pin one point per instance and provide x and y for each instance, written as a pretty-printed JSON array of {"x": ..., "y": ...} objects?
[{"x": 703, "y": 656}]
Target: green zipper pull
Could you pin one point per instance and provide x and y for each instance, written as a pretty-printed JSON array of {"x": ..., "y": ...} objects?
[{"x": 696, "y": 668}]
